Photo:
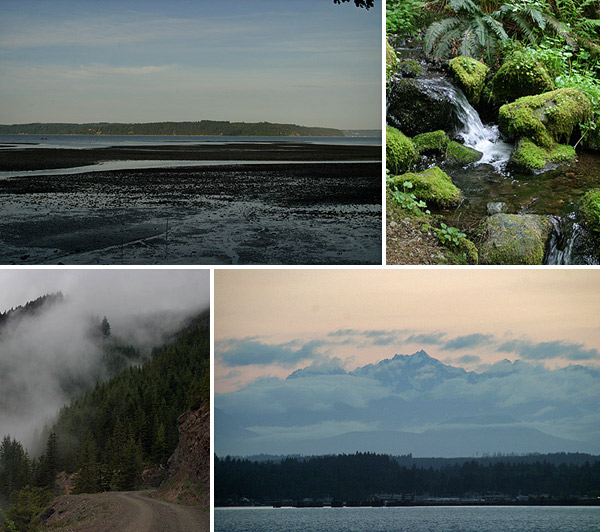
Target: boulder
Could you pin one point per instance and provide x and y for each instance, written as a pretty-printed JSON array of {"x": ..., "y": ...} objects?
[
  {"x": 421, "y": 105},
  {"x": 530, "y": 157},
  {"x": 400, "y": 152},
  {"x": 518, "y": 239},
  {"x": 460, "y": 155},
  {"x": 433, "y": 186},
  {"x": 520, "y": 75},
  {"x": 546, "y": 118},
  {"x": 469, "y": 74},
  {"x": 434, "y": 142}
]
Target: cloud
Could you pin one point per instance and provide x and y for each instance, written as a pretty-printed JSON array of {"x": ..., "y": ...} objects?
[
  {"x": 251, "y": 352},
  {"x": 468, "y": 341},
  {"x": 549, "y": 350},
  {"x": 435, "y": 338},
  {"x": 98, "y": 70},
  {"x": 469, "y": 359}
]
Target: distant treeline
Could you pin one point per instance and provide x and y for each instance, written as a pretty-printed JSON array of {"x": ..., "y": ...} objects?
[
  {"x": 357, "y": 477},
  {"x": 204, "y": 127}
]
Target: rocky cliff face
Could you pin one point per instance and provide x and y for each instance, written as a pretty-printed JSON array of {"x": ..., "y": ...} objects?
[{"x": 189, "y": 467}]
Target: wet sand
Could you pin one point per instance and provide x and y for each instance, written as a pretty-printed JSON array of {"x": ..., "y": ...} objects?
[{"x": 242, "y": 214}]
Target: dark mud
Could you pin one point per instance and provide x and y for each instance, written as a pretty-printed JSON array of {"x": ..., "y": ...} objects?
[
  {"x": 254, "y": 214},
  {"x": 51, "y": 158}
]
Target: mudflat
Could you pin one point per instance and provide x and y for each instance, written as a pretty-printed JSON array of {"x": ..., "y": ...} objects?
[
  {"x": 314, "y": 213},
  {"x": 15, "y": 157}
]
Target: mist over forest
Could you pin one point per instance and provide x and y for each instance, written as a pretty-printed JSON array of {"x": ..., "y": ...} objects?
[{"x": 52, "y": 347}]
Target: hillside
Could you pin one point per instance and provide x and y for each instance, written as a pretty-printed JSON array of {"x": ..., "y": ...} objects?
[
  {"x": 203, "y": 127},
  {"x": 105, "y": 437}
]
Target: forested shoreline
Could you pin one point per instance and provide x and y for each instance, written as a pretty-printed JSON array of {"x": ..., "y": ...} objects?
[
  {"x": 364, "y": 476},
  {"x": 202, "y": 127}
]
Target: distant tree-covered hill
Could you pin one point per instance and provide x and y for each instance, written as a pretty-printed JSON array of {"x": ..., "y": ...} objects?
[
  {"x": 359, "y": 476},
  {"x": 203, "y": 127}
]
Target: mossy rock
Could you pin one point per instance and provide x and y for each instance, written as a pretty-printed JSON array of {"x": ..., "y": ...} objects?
[
  {"x": 418, "y": 106},
  {"x": 590, "y": 210},
  {"x": 520, "y": 75},
  {"x": 518, "y": 239},
  {"x": 435, "y": 141},
  {"x": 528, "y": 156},
  {"x": 546, "y": 118},
  {"x": 470, "y": 251},
  {"x": 409, "y": 68},
  {"x": 470, "y": 75},
  {"x": 433, "y": 186},
  {"x": 458, "y": 154},
  {"x": 400, "y": 152}
]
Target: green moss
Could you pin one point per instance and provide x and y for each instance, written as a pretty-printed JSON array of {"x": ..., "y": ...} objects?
[
  {"x": 409, "y": 68},
  {"x": 518, "y": 239},
  {"x": 436, "y": 141},
  {"x": 590, "y": 210},
  {"x": 529, "y": 156},
  {"x": 520, "y": 75},
  {"x": 400, "y": 152},
  {"x": 470, "y": 76},
  {"x": 545, "y": 118},
  {"x": 458, "y": 154},
  {"x": 469, "y": 249},
  {"x": 433, "y": 186}
]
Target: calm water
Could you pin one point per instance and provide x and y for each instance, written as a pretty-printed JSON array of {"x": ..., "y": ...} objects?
[
  {"x": 413, "y": 519},
  {"x": 105, "y": 141}
]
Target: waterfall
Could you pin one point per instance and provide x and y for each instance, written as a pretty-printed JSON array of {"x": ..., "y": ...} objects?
[
  {"x": 476, "y": 135},
  {"x": 485, "y": 139}
]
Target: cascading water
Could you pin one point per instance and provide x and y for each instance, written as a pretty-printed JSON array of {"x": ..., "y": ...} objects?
[
  {"x": 485, "y": 139},
  {"x": 476, "y": 135}
]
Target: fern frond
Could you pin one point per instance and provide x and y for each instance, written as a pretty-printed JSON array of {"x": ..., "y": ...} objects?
[
  {"x": 496, "y": 26},
  {"x": 436, "y": 31},
  {"x": 464, "y": 5},
  {"x": 526, "y": 30}
]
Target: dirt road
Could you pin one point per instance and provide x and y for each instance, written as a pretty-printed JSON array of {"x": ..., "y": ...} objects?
[{"x": 125, "y": 512}]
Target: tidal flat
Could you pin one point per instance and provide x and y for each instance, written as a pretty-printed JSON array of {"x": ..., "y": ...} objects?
[{"x": 304, "y": 206}]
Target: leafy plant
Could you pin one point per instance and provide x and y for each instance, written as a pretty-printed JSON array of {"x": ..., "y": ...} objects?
[
  {"x": 450, "y": 236},
  {"x": 408, "y": 200},
  {"x": 403, "y": 16},
  {"x": 473, "y": 31}
]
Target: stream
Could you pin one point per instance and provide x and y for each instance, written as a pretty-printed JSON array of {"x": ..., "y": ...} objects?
[{"x": 556, "y": 192}]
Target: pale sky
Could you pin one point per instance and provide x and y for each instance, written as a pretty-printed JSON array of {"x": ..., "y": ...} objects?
[
  {"x": 308, "y": 62},
  {"x": 271, "y": 322}
]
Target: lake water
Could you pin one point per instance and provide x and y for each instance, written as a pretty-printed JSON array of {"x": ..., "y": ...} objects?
[{"x": 411, "y": 519}]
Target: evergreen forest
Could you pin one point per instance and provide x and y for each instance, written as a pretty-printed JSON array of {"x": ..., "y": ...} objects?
[
  {"x": 203, "y": 127},
  {"x": 108, "y": 434},
  {"x": 361, "y": 476}
]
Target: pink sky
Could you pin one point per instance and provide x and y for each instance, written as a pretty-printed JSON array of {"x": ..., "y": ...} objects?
[{"x": 475, "y": 313}]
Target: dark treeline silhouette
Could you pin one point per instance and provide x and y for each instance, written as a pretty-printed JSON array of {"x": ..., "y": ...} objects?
[
  {"x": 359, "y": 476},
  {"x": 203, "y": 127}
]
